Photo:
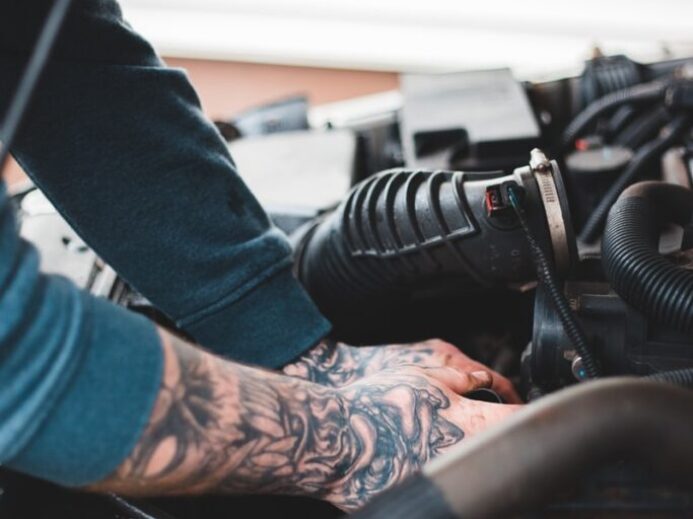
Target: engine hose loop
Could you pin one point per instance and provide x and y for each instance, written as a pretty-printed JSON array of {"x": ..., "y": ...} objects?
[
  {"x": 649, "y": 282},
  {"x": 638, "y": 94}
]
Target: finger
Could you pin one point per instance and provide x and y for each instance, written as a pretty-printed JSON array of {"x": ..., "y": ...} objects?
[
  {"x": 461, "y": 382},
  {"x": 501, "y": 384},
  {"x": 449, "y": 355}
]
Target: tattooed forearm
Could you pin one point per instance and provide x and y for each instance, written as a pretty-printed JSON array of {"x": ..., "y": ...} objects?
[{"x": 223, "y": 427}]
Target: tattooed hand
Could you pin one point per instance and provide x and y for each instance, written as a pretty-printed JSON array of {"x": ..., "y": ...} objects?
[
  {"x": 403, "y": 418},
  {"x": 223, "y": 427},
  {"x": 336, "y": 364}
]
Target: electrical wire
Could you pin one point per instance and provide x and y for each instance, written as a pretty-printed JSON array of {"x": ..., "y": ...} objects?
[
  {"x": 30, "y": 79},
  {"x": 546, "y": 275}
]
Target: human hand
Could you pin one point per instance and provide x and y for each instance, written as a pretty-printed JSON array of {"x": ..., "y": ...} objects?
[
  {"x": 221, "y": 427},
  {"x": 336, "y": 364},
  {"x": 399, "y": 420}
]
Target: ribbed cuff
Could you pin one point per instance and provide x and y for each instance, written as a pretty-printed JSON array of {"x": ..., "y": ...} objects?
[
  {"x": 270, "y": 326},
  {"x": 102, "y": 414}
]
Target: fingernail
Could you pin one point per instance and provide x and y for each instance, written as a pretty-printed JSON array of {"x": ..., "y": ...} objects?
[{"x": 482, "y": 376}]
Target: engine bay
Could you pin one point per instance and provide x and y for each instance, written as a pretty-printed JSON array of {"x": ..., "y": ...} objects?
[{"x": 543, "y": 227}]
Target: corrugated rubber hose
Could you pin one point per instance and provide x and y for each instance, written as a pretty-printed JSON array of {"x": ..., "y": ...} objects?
[{"x": 646, "y": 280}]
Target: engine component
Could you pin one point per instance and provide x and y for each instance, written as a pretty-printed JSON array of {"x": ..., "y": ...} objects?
[
  {"x": 296, "y": 175},
  {"x": 647, "y": 330},
  {"x": 606, "y": 74},
  {"x": 624, "y": 340},
  {"x": 641, "y": 94},
  {"x": 547, "y": 281},
  {"x": 643, "y": 128},
  {"x": 403, "y": 235},
  {"x": 643, "y": 159},
  {"x": 478, "y": 120},
  {"x": 660, "y": 289},
  {"x": 285, "y": 115},
  {"x": 438, "y": 252},
  {"x": 590, "y": 173}
]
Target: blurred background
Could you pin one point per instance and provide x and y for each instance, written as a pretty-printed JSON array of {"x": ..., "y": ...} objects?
[{"x": 242, "y": 54}]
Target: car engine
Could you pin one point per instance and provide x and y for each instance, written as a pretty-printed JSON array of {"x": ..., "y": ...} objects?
[{"x": 543, "y": 227}]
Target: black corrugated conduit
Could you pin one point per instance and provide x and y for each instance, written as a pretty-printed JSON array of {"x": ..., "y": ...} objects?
[{"x": 651, "y": 283}]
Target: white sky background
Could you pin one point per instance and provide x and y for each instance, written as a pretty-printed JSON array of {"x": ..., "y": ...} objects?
[{"x": 535, "y": 37}]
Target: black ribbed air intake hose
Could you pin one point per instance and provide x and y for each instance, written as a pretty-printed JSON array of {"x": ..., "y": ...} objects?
[
  {"x": 404, "y": 235},
  {"x": 638, "y": 94},
  {"x": 651, "y": 283}
]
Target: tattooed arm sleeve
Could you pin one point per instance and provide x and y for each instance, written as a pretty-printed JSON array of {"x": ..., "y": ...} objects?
[{"x": 224, "y": 427}]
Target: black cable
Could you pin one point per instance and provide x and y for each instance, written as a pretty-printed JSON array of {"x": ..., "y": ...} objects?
[
  {"x": 637, "y": 94},
  {"x": 32, "y": 74},
  {"x": 546, "y": 275},
  {"x": 643, "y": 158}
]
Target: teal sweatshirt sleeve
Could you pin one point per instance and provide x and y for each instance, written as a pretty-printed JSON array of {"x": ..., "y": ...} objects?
[
  {"x": 119, "y": 144},
  {"x": 78, "y": 376}
]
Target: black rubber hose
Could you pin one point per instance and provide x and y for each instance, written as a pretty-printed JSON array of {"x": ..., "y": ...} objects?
[
  {"x": 379, "y": 241},
  {"x": 623, "y": 117},
  {"x": 402, "y": 236},
  {"x": 680, "y": 377},
  {"x": 643, "y": 128},
  {"x": 545, "y": 273},
  {"x": 638, "y": 94},
  {"x": 644, "y": 158},
  {"x": 649, "y": 282}
]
